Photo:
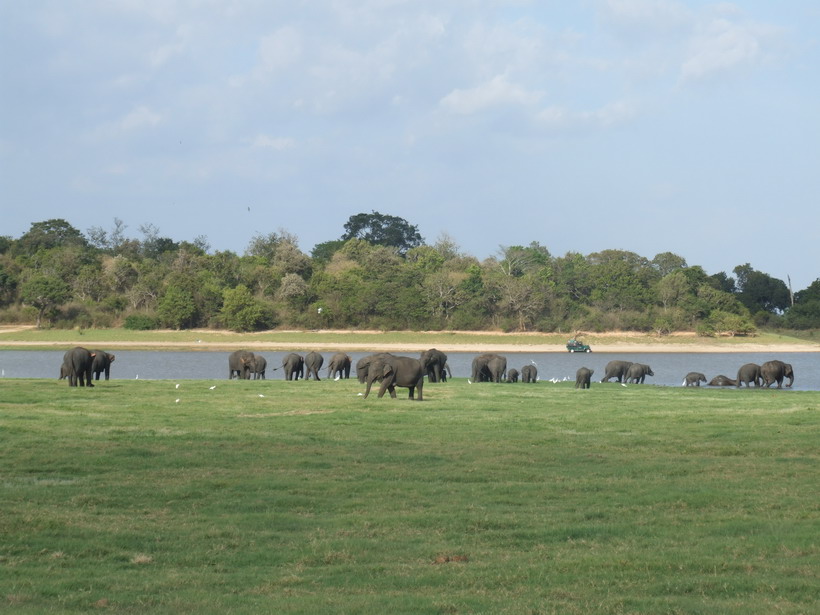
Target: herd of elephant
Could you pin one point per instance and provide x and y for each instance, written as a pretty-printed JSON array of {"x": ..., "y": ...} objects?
[
  {"x": 748, "y": 374},
  {"x": 244, "y": 365},
  {"x": 391, "y": 371}
]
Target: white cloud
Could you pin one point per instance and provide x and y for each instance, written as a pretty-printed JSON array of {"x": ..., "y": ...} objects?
[
  {"x": 280, "y": 49},
  {"x": 274, "y": 143},
  {"x": 647, "y": 15},
  {"x": 558, "y": 118},
  {"x": 141, "y": 117},
  {"x": 721, "y": 46},
  {"x": 496, "y": 92}
]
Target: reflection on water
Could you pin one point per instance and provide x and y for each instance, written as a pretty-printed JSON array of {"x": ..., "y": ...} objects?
[{"x": 669, "y": 368}]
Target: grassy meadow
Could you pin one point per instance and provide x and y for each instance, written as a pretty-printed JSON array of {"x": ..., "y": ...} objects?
[{"x": 303, "y": 497}]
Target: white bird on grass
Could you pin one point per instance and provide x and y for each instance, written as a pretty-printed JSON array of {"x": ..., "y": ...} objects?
[
  {"x": 177, "y": 401},
  {"x": 177, "y": 386},
  {"x": 212, "y": 388}
]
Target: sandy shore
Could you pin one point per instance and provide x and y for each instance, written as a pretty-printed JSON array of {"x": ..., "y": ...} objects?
[
  {"x": 369, "y": 341},
  {"x": 375, "y": 346}
]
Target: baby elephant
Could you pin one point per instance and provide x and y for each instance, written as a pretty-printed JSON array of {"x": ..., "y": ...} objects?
[
  {"x": 693, "y": 379},
  {"x": 512, "y": 375},
  {"x": 582, "y": 377},
  {"x": 637, "y": 372},
  {"x": 722, "y": 381},
  {"x": 529, "y": 373}
]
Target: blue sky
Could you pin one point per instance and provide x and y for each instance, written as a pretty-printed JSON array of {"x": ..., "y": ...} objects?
[{"x": 642, "y": 125}]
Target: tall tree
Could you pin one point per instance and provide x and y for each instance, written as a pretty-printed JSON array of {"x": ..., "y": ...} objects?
[
  {"x": 44, "y": 293},
  {"x": 761, "y": 292},
  {"x": 384, "y": 230},
  {"x": 54, "y": 233}
]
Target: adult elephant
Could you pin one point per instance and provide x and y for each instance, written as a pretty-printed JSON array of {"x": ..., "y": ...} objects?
[
  {"x": 722, "y": 381},
  {"x": 260, "y": 365},
  {"x": 775, "y": 371},
  {"x": 583, "y": 377},
  {"x": 616, "y": 369},
  {"x": 748, "y": 373},
  {"x": 240, "y": 364},
  {"x": 637, "y": 373},
  {"x": 77, "y": 365},
  {"x": 395, "y": 371},
  {"x": 693, "y": 379},
  {"x": 101, "y": 363},
  {"x": 313, "y": 363},
  {"x": 339, "y": 366},
  {"x": 529, "y": 373},
  {"x": 434, "y": 362},
  {"x": 294, "y": 366},
  {"x": 512, "y": 375},
  {"x": 363, "y": 365},
  {"x": 489, "y": 367}
]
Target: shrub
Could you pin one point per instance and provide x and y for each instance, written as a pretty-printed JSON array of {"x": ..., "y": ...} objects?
[{"x": 140, "y": 322}]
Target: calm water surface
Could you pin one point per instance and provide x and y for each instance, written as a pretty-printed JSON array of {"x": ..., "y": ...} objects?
[{"x": 669, "y": 368}]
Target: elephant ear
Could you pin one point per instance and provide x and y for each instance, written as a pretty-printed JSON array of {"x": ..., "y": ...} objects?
[{"x": 388, "y": 369}]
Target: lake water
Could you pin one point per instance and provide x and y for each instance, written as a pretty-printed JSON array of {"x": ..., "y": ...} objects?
[{"x": 669, "y": 368}]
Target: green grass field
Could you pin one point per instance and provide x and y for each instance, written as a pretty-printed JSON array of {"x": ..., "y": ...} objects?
[{"x": 303, "y": 497}]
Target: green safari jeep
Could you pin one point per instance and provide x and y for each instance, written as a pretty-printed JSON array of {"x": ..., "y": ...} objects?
[{"x": 574, "y": 345}]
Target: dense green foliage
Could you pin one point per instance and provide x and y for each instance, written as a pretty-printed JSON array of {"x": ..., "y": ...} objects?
[
  {"x": 302, "y": 497},
  {"x": 380, "y": 275}
]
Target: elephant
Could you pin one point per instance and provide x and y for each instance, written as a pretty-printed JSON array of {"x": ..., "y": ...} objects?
[
  {"x": 101, "y": 363},
  {"x": 489, "y": 367},
  {"x": 693, "y": 379},
  {"x": 363, "y": 365},
  {"x": 294, "y": 366},
  {"x": 77, "y": 365},
  {"x": 722, "y": 381},
  {"x": 313, "y": 363},
  {"x": 258, "y": 367},
  {"x": 529, "y": 373},
  {"x": 775, "y": 371},
  {"x": 433, "y": 363},
  {"x": 395, "y": 371},
  {"x": 583, "y": 377},
  {"x": 512, "y": 375},
  {"x": 616, "y": 369},
  {"x": 637, "y": 372},
  {"x": 240, "y": 364},
  {"x": 748, "y": 373},
  {"x": 339, "y": 366}
]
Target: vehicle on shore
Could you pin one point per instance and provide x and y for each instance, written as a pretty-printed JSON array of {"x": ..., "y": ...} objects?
[{"x": 574, "y": 345}]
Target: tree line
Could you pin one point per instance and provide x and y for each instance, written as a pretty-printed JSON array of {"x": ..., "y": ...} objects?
[{"x": 379, "y": 274}]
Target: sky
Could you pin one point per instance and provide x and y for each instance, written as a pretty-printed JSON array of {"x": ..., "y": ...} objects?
[{"x": 651, "y": 126}]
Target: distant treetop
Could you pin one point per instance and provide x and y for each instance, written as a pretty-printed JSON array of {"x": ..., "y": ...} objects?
[{"x": 384, "y": 230}]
